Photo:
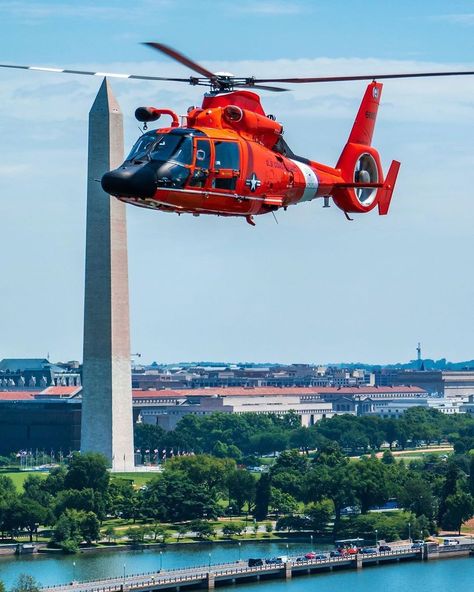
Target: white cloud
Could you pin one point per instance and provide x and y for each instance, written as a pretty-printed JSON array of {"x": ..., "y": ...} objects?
[
  {"x": 270, "y": 7},
  {"x": 456, "y": 19},
  {"x": 34, "y": 11},
  {"x": 205, "y": 265}
]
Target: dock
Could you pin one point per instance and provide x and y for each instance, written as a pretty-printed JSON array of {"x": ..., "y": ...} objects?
[{"x": 211, "y": 576}]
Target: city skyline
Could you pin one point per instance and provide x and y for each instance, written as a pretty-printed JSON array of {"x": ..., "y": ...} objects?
[{"x": 311, "y": 287}]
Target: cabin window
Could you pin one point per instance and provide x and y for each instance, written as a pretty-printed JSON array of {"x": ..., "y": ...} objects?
[
  {"x": 227, "y": 155},
  {"x": 226, "y": 165}
]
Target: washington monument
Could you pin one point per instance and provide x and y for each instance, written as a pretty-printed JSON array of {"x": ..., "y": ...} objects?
[{"x": 107, "y": 424}]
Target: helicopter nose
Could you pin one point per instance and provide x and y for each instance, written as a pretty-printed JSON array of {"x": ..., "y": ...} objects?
[{"x": 130, "y": 180}]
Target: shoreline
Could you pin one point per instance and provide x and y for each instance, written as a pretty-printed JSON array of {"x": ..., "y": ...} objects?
[{"x": 10, "y": 549}]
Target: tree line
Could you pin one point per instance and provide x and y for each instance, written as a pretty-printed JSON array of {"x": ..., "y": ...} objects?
[{"x": 243, "y": 437}]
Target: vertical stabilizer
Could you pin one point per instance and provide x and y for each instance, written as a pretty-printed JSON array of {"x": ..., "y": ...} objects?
[{"x": 363, "y": 128}]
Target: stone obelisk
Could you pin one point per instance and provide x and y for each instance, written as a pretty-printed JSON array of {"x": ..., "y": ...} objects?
[{"x": 107, "y": 424}]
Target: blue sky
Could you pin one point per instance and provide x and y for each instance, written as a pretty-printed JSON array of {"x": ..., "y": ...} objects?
[{"x": 312, "y": 288}]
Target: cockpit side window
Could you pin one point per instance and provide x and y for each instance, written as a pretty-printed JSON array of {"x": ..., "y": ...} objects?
[{"x": 203, "y": 162}]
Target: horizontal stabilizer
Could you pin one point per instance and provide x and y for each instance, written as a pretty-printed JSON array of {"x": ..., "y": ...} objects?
[{"x": 385, "y": 194}]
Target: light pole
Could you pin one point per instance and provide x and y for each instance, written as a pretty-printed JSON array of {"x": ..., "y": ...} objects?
[
  {"x": 376, "y": 532},
  {"x": 161, "y": 560},
  {"x": 240, "y": 550},
  {"x": 124, "y": 572},
  {"x": 74, "y": 570},
  {"x": 209, "y": 560},
  {"x": 409, "y": 532},
  {"x": 311, "y": 542}
]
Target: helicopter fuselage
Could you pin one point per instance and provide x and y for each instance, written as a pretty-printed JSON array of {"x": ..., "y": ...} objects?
[{"x": 229, "y": 159}]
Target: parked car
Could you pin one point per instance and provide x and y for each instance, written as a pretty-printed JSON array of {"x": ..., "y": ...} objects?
[
  {"x": 335, "y": 554},
  {"x": 450, "y": 542},
  {"x": 417, "y": 544},
  {"x": 320, "y": 556},
  {"x": 368, "y": 550},
  {"x": 384, "y": 548},
  {"x": 310, "y": 555},
  {"x": 255, "y": 562},
  {"x": 274, "y": 561}
]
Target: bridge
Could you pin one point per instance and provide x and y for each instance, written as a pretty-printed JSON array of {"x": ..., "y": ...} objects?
[{"x": 210, "y": 576}]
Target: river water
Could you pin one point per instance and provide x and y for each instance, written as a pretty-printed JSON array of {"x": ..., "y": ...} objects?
[{"x": 434, "y": 576}]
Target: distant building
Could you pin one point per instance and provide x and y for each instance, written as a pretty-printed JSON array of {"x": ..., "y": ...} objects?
[
  {"x": 29, "y": 424},
  {"x": 396, "y": 409},
  {"x": 168, "y": 412},
  {"x": 37, "y": 374},
  {"x": 451, "y": 384},
  {"x": 294, "y": 375}
]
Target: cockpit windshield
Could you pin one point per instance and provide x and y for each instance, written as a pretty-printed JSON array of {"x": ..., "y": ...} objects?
[
  {"x": 142, "y": 145},
  {"x": 163, "y": 147}
]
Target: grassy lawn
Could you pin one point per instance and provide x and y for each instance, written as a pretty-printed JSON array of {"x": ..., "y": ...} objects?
[
  {"x": 19, "y": 477},
  {"x": 138, "y": 479}
]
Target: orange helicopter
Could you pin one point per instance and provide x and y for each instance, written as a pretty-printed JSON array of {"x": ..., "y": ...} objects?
[{"x": 229, "y": 158}]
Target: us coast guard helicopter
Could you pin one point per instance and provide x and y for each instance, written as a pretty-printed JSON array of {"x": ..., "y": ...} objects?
[{"x": 228, "y": 157}]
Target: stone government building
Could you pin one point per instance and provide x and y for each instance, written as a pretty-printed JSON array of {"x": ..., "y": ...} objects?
[
  {"x": 50, "y": 419},
  {"x": 40, "y": 402}
]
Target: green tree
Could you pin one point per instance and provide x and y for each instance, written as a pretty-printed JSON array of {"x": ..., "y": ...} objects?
[
  {"x": 119, "y": 497},
  {"x": 233, "y": 529},
  {"x": 25, "y": 583},
  {"x": 110, "y": 533},
  {"x": 89, "y": 527},
  {"x": 159, "y": 532},
  {"x": 459, "y": 508},
  {"x": 242, "y": 487},
  {"x": 262, "y": 497},
  {"x": 136, "y": 535},
  {"x": 34, "y": 489},
  {"x": 27, "y": 514},
  {"x": 416, "y": 496},
  {"x": 282, "y": 503},
  {"x": 304, "y": 438},
  {"x": 181, "y": 531},
  {"x": 54, "y": 482},
  {"x": 202, "y": 528},
  {"x": 149, "y": 437},
  {"x": 87, "y": 500},
  {"x": 2, "y": 587},
  {"x": 67, "y": 530},
  {"x": 203, "y": 469},
  {"x": 8, "y": 497},
  {"x": 87, "y": 471},
  {"x": 388, "y": 458},
  {"x": 174, "y": 497},
  {"x": 320, "y": 514},
  {"x": 370, "y": 483}
]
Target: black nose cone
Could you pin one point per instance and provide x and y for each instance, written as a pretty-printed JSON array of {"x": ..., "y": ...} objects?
[{"x": 130, "y": 180}]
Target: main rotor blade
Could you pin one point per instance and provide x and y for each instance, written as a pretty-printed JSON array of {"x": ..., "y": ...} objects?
[
  {"x": 262, "y": 87},
  {"x": 365, "y": 77},
  {"x": 87, "y": 73},
  {"x": 179, "y": 57}
]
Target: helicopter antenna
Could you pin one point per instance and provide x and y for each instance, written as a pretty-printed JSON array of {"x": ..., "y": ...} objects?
[{"x": 274, "y": 216}]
